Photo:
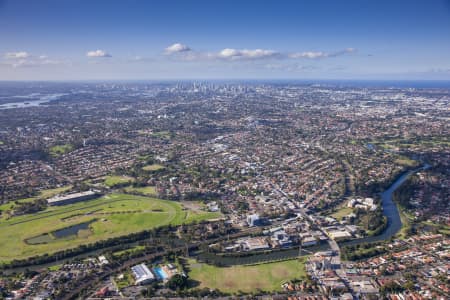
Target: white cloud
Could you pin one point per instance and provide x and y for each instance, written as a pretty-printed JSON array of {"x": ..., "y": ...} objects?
[
  {"x": 17, "y": 55},
  {"x": 234, "y": 54},
  {"x": 23, "y": 63},
  {"x": 229, "y": 52},
  {"x": 182, "y": 52},
  {"x": 34, "y": 63},
  {"x": 320, "y": 54},
  {"x": 97, "y": 53},
  {"x": 24, "y": 59},
  {"x": 177, "y": 48},
  {"x": 342, "y": 52},
  {"x": 309, "y": 54}
]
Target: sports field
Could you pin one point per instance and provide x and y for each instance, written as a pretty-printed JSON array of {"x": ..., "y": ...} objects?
[
  {"x": 154, "y": 167},
  {"x": 342, "y": 212},
  {"x": 146, "y": 191},
  {"x": 109, "y": 216},
  {"x": 113, "y": 181},
  {"x": 266, "y": 276},
  {"x": 60, "y": 149}
]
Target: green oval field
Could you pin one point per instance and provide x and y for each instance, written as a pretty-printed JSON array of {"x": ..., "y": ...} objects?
[{"x": 115, "y": 215}]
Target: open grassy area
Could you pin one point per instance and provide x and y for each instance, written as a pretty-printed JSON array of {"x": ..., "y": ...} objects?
[
  {"x": 441, "y": 228},
  {"x": 55, "y": 268},
  {"x": 130, "y": 250},
  {"x": 111, "y": 216},
  {"x": 406, "y": 222},
  {"x": 342, "y": 212},
  {"x": 400, "y": 143},
  {"x": 124, "y": 280},
  {"x": 444, "y": 231},
  {"x": 60, "y": 149},
  {"x": 154, "y": 167},
  {"x": 198, "y": 216},
  {"x": 147, "y": 190},
  {"x": 407, "y": 162},
  {"x": 112, "y": 181},
  {"x": 52, "y": 192},
  {"x": 162, "y": 134},
  {"x": 267, "y": 277}
]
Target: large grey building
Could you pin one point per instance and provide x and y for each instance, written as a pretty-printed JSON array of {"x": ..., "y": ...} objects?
[{"x": 72, "y": 198}]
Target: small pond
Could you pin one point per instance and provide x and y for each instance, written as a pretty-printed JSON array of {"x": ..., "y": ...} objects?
[{"x": 71, "y": 230}]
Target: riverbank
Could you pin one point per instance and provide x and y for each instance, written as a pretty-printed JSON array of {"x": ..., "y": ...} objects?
[
  {"x": 390, "y": 211},
  {"x": 257, "y": 258}
]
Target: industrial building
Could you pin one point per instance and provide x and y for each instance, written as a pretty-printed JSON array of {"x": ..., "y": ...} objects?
[
  {"x": 142, "y": 274},
  {"x": 338, "y": 233},
  {"x": 72, "y": 198},
  {"x": 253, "y": 220},
  {"x": 255, "y": 243}
]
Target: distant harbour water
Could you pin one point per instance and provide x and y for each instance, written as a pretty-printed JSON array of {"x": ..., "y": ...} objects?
[
  {"x": 32, "y": 101},
  {"x": 23, "y": 104}
]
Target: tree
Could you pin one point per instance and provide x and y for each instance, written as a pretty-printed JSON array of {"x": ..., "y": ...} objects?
[{"x": 177, "y": 282}]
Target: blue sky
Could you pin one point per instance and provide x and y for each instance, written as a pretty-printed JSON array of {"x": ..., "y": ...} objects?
[{"x": 345, "y": 39}]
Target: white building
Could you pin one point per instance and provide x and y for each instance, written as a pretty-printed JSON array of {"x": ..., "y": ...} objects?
[
  {"x": 72, "y": 198},
  {"x": 309, "y": 241},
  {"x": 142, "y": 274},
  {"x": 102, "y": 260},
  {"x": 253, "y": 220}
]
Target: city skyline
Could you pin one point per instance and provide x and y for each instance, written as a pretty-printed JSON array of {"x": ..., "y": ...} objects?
[{"x": 137, "y": 40}]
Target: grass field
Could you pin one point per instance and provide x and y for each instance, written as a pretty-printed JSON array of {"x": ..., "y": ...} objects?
[
  {"x": 267, "y": 277},
  {"x": 162, "y": 134},
  {"x": 112, "y": 215},
  {"x": 444, "y": 229},
  {"x": 112, "y": 181},
  {"x": 147, "y": 191},
  {"x": 60, "y": 149},
  {"x": 405, "y": 161},
  {"x": 154, "y": 167},
  {"x": 130, "y": 250},
  {"x": 124, "y": 280},
  {"x": 342, "y": 212},
  {"x": 406, "y": 222},
  {"x": 400, "y": 143},
  {"x": 55, "y": 268}
]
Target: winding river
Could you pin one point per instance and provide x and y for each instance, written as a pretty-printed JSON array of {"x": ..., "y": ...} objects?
[{"x": 390, "y": 210}]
